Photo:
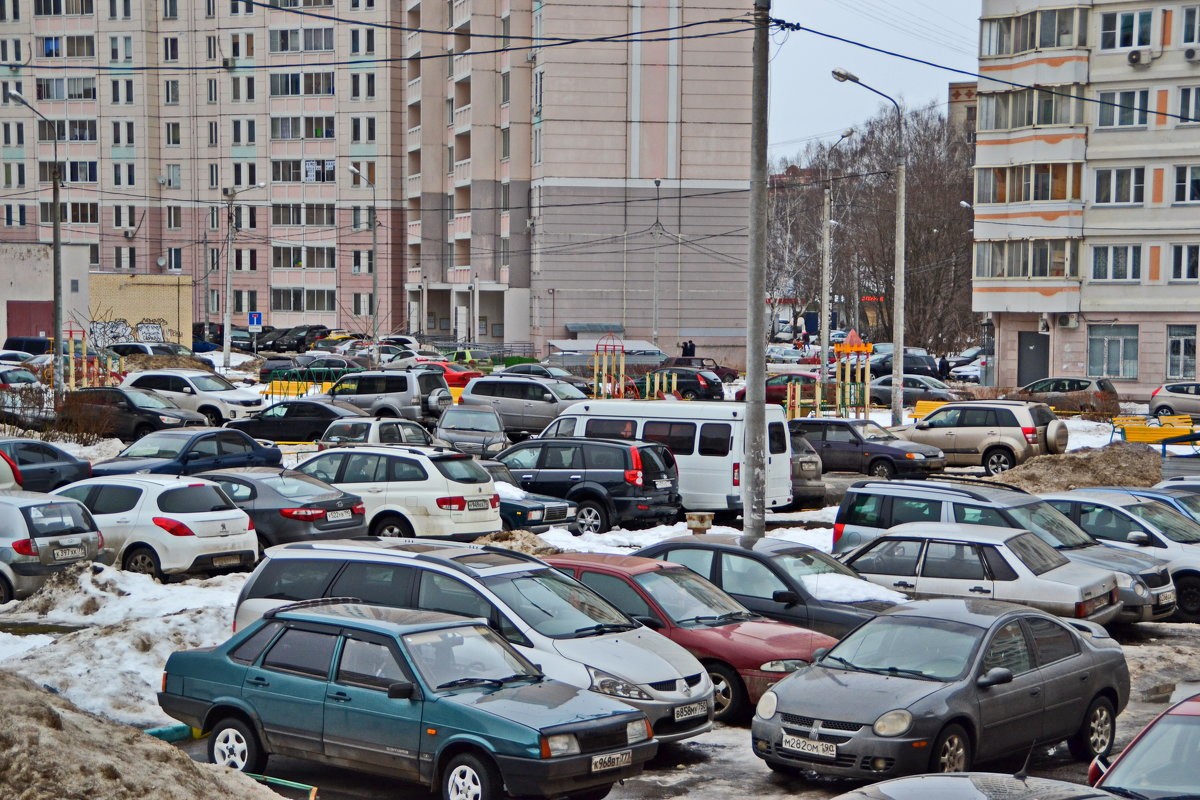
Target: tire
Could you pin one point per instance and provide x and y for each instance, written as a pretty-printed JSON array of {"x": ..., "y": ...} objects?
[
  {"x": 232, "y": 744},
  {"x": 391, "y": 525},
  {"x": 1164, "y": 411},
  {"x": 591, "y": 518},
  {"x": 469, "y": 777},
  {"x": 1187, "y": 598},
  {"x": 385, "y": 413},
  {"x": 729, "y": 695},
  {"x": 997, "y": 460},
  {"x": 141, "y": 430},
  {"x": 213, "y": 416},
  {"x": 1056, "y": 437},
  {"x": 689, "y": 395},
  {"x": 144, "y": 561},
  {"x": 952, "y": 751},
  {"x": 1096, "y": 733},
  {"x": 6, "y": 591},
  {"x": 312, "y": 436},
  {"x": 881, "y": 468}
]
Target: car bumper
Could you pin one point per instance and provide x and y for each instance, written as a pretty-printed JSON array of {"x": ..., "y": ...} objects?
[
  {"x": 644, "y": 508},
  {"x": 229, "y": 559},
  {"x": 554, "y": 777},
  {"x": 311, "y": 533},
  {"x": 860, "y": 755},
  {"x": 187, "y": 710},
  {"x": 1106, "y": 614},
  {"x": 1134, "y": 609},
  {"x": 808, "y": 489},
  {"x": 758, "y": 682},
  {"x": 922, "y": 467}
]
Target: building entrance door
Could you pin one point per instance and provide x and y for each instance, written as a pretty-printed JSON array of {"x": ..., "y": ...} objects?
[{"x": 1033, "y": 357}]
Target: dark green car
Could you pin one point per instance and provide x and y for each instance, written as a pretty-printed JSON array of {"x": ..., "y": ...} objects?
[
  {"x": 425, "y": 696},
  {"x": 324, "y": 369}
]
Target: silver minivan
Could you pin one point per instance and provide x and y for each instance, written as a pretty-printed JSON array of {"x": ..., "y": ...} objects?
[
  {"x": 526, "y": 404},
  {"x": 419, "y": 395}
]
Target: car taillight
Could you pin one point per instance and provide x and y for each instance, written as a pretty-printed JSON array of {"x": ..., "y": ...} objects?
[
  {"x": 1156, "y": 391},
  {"x": 25, "y": 547},
  {"x": 1030, "y": 435},
  {"x": 303, "y": 514},
  {"x": 249, "y": 524},
  {"x": 737, "y": 473},
  {"x": 633, "y": 476},
  {"x": 99, "y": 540},
  {"x": 15, "y": 470},
  {"x": 173, "y": 526},
  {"x": 838, "y": 529},
  {"x": 495, "y": 501},
  {"x": 358, "y": 508},
  {"x": 703, "y": 383},
  {"x": 452, "y": 503}
]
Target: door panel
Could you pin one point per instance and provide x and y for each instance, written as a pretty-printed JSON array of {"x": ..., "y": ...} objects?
[
  {"x": 1010, "y": 715},
  {"x": 953, "y": 569}
]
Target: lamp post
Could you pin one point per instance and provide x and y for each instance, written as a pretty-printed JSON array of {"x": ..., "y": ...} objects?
[
  {"x": 227, "y": 317},
  {"x": 56, "y": 177},
  {"x": 374, "y": 258},
  {"x": 898, "y": 281},
  {"x": 826, "y": 254}
]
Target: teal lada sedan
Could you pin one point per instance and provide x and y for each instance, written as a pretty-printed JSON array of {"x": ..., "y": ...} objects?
[{"x": 430, "y": 697}]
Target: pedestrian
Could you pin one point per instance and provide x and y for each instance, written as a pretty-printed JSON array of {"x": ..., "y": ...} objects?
[
  {"x": 683, "y": 348},
  {"x": 691, "y": 348},
  {"x": 943, "y": 368}
]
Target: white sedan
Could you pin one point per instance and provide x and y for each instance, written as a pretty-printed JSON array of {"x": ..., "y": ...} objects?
[{"x": 969, "y": 373}]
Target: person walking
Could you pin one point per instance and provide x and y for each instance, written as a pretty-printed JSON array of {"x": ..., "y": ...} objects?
[{"x": 943, "y": 368}]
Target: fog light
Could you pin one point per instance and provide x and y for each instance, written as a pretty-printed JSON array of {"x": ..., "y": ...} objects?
[{"x": 879, "y": 764}]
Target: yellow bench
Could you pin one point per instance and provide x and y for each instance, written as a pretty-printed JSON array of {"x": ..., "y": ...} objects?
[
  {"x": 1151, "y": 434},
  {"x": 1176, "y": 420},
  {"x": 1122, "y": 421},
  {"x": 924, "y": 407}
]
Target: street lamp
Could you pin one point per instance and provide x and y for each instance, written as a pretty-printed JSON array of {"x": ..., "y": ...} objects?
[
  {"x": 56, "y": 177},
  {"x": 826, "y": 253},
  {"x": 843, "y": 76},
  {"x": 374, "y": 257},
  {"x": 227, "y": 318}
]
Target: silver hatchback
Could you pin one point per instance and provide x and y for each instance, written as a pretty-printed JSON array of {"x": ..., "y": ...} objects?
[{"x": 41, "y": 534}]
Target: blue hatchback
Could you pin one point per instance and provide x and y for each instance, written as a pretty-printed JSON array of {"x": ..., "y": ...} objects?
[{"x": 188, "y": 451}]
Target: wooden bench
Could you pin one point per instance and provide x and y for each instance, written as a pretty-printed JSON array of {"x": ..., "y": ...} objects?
[
  {"x": 1176, "y": 420},
  {"x": 1151, "y": 434},
  {"x": 1136, "y": 419},
  {"x": 925, "y": 407}
]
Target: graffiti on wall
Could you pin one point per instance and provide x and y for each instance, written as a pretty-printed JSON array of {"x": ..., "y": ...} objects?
[{"x": 102, "y": 333}]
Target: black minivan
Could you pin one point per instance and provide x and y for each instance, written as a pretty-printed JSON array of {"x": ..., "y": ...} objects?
[{"x": 615, "y": 482}]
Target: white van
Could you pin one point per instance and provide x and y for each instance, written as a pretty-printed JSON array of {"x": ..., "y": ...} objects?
[{"x": 708, "y": 440}]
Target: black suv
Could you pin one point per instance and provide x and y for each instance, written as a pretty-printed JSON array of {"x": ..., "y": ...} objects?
[
  {"x": 614, "y": 482},
  {"x": 857, "y": 445},
  {"x": 126, "y": 412}
]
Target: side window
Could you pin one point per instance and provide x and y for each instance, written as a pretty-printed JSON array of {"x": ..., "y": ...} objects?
[
  {"x": 238, "y": 492},
  {"x": 777, "y": 439},
  {"x": 908, "y": 509},
  {"x": 698, "y": 561},
  {"x": 1009, "y": 649},
  {"x": 443, "y": 593},
  {"x": 867, "y": 510},
  {"x": 405, "y": 469},
  {"x": 1004, "y": 418},
  {"x": 369, "y": 664},
  {"x": 413, "y": 433},
  {"x": 389, "y": 433},
  {"x": 347, "y": 386},
  {"x": 978, "y": 515},
  {"x": 248, "y": 651},
  {"x": 611, "y": 428},
  {"x": 1104, "y": 523},
  {"x": 1001, "y": 570},
  {"x": 377, "y": 584},
  {"x": 205, "y": 447},
  {"x": 890, "y": 557},
  {"x": 749, "y": 578},
  {"x": 512, "y": 390},
  {"x": 562, "y": 456},
  {"x": 395, "y": 383},
  {"x": 976, "y": 418},
  {"x": 618, "y": 592},
  {"x": 563, "y": 426},
  {"x": 155, "y": 382},
  {"x": 524, "y": 458},
  {"x": 293, "y": 579},
  {"x": 232, "y": 444},
  {"x": 304, "y": 652},
  {"x": 35, "y": 454},
  {"x": 715, "y": 439},
  {"x": 678, "y": 437},
  {"x": 952, "y": 560},
  {"x": 1051, "y": 641},
  {"x": 365, "y": 468},
  {"x": 840, "y": 434},
  {"x": 79, "y": 493},
  {"x": 115, "y": 499},
  {"x": 177, "y": 384},
  {"x": 323, "y": 467},
  {"x": 944, "y": 418},
  {"x": 599, "y": 456},
  {"x": 484, "y": 389}
]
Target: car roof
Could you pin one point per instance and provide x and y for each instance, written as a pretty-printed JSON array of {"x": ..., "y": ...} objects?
[
  {"x": 953, "y": 486},
  {"x": 147, "y": 480},
  {"x": 22, "y": 498},
  {"x": 249, "y": 472},
  {"x": 1188, "y": 707},
  {"x": 427, "y": 451},
  {"x": 731, "y": 541},
  {"x": 970, "y": 611},
  {"x": 471, "y": 559},
  {"x": 181, "y": 372},
  {"x": 189, "y": 431},
  {"x": 386, "y": 619},
  {"x": 630, "y": 565},
  {"x": 1114, "y": 497},
  {"x": 26, "y": 439},
  {"x": 982, "y": 534}
]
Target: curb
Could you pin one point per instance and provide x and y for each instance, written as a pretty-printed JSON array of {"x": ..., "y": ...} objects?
[{"x": 170, "y": 733}]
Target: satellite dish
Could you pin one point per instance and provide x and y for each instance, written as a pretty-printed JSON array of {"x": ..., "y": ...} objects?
[{"x": 161, "y": 261}]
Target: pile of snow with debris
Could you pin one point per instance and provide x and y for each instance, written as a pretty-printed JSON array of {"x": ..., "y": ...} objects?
[
  {"x": 521, "y": 541},
  {"x": 1118, "y": 464}
]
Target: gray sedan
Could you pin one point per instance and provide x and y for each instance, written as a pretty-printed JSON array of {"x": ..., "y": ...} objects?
[
  {"x": 937, "y": 685},
  {"x": 916, "y": 387}
]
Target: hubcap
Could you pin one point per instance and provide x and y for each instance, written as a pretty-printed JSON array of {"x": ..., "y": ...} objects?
[
  {"x": 953, "y": 755},
  {"x": 1100, "y": 735},
  {"x": 390, "y": 529},
  {"x": 588, "y": 520},
  {"x": 1189, "y": 598},
  {"x": 722, "y": 694},
  {"x": 142, "y": 563},
  {"x": 230, "y": 749},
  {"x": 463, "y": 784},
  {"x": 999, "y": 463}
]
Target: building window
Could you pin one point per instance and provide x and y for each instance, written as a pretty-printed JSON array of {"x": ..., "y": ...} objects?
[
  {"x": 125, "y": 258},
  {"x": 537, "y": 144},
  {"x": 214, "y": 175},
  {"x": 173, "y": 134},
  {"x": 1181, "y": 352},
  {"x": 14, "y": 175},
  {"x": 505, "y": 251},
  {"x": 214, "y": 218},
  {"x": 1113, "y": 351},
  {"x": 289, "y": 299},
  {"x": 1125, "y": 29},
  {"x": 174, "y": 176},
  {"x": 170, "y": 48},
  {"x": 1123, "y": 109},
  {"x": 175, "y": 258},
  {"x": 171, "y": 92},
  {"x": 362, "y": 86},
  {"x": 362, "y": 262},
  {"x": 245, "y": 260},
  {"x": 170, "y": 9},
  {"x": 1035, "y": 258},
  {"x": 1187, "y": 184},
  {"x": 212, "y": 90},
  {"x": 364, "y": 174},
  {"x": 1118, "y": 262},
  {"x": 1123, "y": 185},
  {"x": 175, "y": 217},
  {"x": 505, "y": 87},
  {"x": 1048, "y": 105},
  {"x": 1189, "y": 104},
  {"x": 1191, "y": 25},
  {"x": 505, "y": 143},
  {"x": 213, "y": 134},
  {"x": 320, "y": 300},
  {"x": 364, "y": 305},
  {"x": 1185, "y": 262}
]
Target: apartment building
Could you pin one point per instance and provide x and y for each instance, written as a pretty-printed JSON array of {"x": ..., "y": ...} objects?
[{"x": 1087, "y": 255}]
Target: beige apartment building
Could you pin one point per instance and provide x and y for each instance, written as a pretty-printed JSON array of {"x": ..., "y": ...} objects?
[
  {"x": 526, "y": 188},
  {"x": 1087, "y": 254}
]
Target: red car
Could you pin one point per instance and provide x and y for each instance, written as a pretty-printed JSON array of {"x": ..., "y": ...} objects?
[
  {"x": 455, "y": 374},
  {"x": 1161, "y": 761},
  {"x": 745, "y": 654},
  {"x": 777, "y": 385}
]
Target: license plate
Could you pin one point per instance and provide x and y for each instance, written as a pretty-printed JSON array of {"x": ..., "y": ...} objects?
[
  {"x": 813, "y": 748},
  {"x": 68, "y": 552},
  {"x": 1166, "y": 597},
  {"x": 612, "y": 760},
  {"x": 690, "y": 710},
  {"x": 663, "y": 484},
  {"x": 226, "y": 561},
  {"x": 334, "y": 516},
  {"x": 478, "y": 505}
]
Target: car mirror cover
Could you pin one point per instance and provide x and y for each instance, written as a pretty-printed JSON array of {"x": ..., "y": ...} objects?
[
  {"x": 994, "y": 677},
  {"x": 401, "y": 690},
  {"x": 785, "y": 596}
]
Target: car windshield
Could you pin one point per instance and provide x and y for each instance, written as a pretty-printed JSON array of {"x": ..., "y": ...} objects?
[
  {"x": 688, "y": 599},
  {"x": 173, "y": 349},
  {"x": 298, "y": 486},
  {"x": 212, "y": 383},
  {"x": 1189, "y": 501},
  {"x": 18, "y": 376},
  {"x": 466, "y": 656},
  {"x": 1050, "y": 526},
  {"x": 874, "y": 432},
  {"x": 347, "y": 432},
  {"x": 565, "y": 391},
  {"x": 1035, "y": 554},
  {"x": 501, "y": 474},
  {"x": 556, "y": 606},
  {"x": 1170, "y": 523},
  {"x": 934, "y": 383},
  {"x": 144, "y": 399},
  {"x": 912, "y": 647},
  {"x": 801, "y": 563},
  {"x": 1161, "y": 764},
  {"x": 559, "y": 372},
  {"x": 461, "y": 418},
  {"x": 156, "y": 446}
]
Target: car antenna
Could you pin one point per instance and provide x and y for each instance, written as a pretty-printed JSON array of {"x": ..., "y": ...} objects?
[{"x": 1023, "y": 772}]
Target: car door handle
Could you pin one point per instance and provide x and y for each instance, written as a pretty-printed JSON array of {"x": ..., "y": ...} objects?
[
  {"x": 574, "y": 477},
  {"x": 258, "y": 681},
  {"x": 374, "y": 491},
  {"x": 123, "y": 521},
  {"x": 338, "y": 697},
  {"x": 904, "y": 585},
  {"x": 979, "y": 590},
  {"x": 1085, "y": 677},
  {"x": 1035, "y": 692}
]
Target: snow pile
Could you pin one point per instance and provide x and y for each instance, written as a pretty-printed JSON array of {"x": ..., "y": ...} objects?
[
  {"x": 521, "y": 541},
  {"x": 1118, "y": 464},
  {"x": 835, "y": 588},
  {"x": 509, "y": 492}
]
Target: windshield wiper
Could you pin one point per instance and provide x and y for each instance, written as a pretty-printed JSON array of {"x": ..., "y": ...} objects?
[
  {"x": 1122, "y": 792},
  {"x": 916, "y": 673},
  {"x": 603, "y": 627},
  {"x": 702, "y": 619},
  {"x": 522, "y": 676},
  {"x": 469, "y": 682},
  {"x": 732, "y": 615},
  {"x": 842, "y": 661}
]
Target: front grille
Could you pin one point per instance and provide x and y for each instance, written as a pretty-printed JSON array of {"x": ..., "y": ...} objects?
[
  {"x": 555, "y": 513},
  {"x": 673, "y": 684},
  {"x": 669, "y": 727},
  {"x": 826, "y": 725},
  {"x": 844, "y": 760},
  {"x": 598, "y": 739},
  {"x": 1157, "y": 578}
]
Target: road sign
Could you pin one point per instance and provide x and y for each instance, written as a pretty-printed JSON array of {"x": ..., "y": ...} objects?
[{"x": 254, "y": 318}]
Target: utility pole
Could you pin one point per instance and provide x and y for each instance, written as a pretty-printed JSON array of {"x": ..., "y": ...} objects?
[
  {"x": 754, "y": 491},
  {"x": 227, "y": 301}
]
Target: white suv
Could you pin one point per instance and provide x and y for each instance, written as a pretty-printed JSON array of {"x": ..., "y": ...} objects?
[
  {"x": 413, "y": 491},
  {"x": 199, "y": 390}
]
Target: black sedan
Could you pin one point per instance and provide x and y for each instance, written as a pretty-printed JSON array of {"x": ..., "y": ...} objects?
[
  {"x": 690, "y": 383},
  {"x": 125, "y": 412},
  {"x": 914, "y": 364},
  {"x": 858, "y": 445},
  {"x": 525, "y": 511},
  {"x": 289, "y": 506},
  {"x": 295, "y": 420},
  {"x": 779, "y": 579},
  {"x": 937, "y": 685},
  {"x": 43, "y": 466},
  {"x": 189, "y": 451}
]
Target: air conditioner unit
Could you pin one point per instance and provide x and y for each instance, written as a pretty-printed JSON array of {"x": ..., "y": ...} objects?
[
  {"x": 531, "y": 55},
  {"x": 1139, "y": 57},
  {"x": 227, "y": 191},
  {"x": 1192, "y": 54},
  {"x": 128, "y": 234},
  {"x": 227, "y": 63},
  {"x": 1068, "y": 320}
]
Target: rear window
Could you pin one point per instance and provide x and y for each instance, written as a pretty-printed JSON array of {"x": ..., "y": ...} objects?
[
  {"x": 865, "y": 510},
  {"x": 193, "y": 500},
  {"x": 1035, "y": 554},
  {"x": 777, "y": 438},
  {"x": 461, "y": 470},
  {"x": 292, "y": 579},
  {"x": 1042, "y": 416},
  {"x": 348, "y": 432},
  {"x": 298, "y": 487},
  {"x": 709, "y": 376},
  {"x": 50, "y": 519},
  {"x": 429, "y": 381},
  {"x": 657, "y": 462}
]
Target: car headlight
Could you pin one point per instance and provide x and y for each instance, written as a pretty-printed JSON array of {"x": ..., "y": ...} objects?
[
  {"x": 783, "y": 665},
  {"x": 570, "y": 513},
  {"x": 638, "y": 731},
  {"x": 1140, "y": 588},
  {"x": 893, "y": 723},
  {"x": 560, "y": 744},
  {"x": 169, "y": 420},
  {"x": 940, "y": 454},
  {"x": 767, "y": 705},
  {"x": 607, "y": 683},
  {"x": 914, "y": 456},
  {"x": 535, "y": 515}
]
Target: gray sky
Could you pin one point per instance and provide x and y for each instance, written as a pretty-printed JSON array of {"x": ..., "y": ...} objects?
[{"x": 807, "y": 103}]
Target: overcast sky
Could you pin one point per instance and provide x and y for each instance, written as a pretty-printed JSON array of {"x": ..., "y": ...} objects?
[{"x": 807, "y": 103}]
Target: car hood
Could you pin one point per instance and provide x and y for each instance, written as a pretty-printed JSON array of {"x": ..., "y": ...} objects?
[
  {"x": 1097, "y": 555},
  {"x": 906, "y": 446},
  {"x": 972, "y": 786},
  {"x": 180, "y": 413},
  {"x": 238, "y": 395},
  {"x": 640, "y": 655},
  {"x": 128, "y": 466},
  {"x": 763, "y": 640},
  {"x": 823, "y": 693},
  {"x": 545, "y": 703}
]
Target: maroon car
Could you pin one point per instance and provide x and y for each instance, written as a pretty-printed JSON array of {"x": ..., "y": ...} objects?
[
  {"x": 745, "y": 654},
  {"x": 726, "y": 374},
  {"x": 777, "y": 385}
]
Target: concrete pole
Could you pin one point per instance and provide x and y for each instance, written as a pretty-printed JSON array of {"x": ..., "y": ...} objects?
[
  {"x": 898, "y": 304},
  {"x": 826, "y": 277}
]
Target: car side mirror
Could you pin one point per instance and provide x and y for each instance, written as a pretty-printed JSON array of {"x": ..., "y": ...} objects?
[
  {"x": 401, "y": 690},
  {"x": 188, "y": 390},
  {"x": 650, "y": 622},
  {"x": 788, "y": 598},
  {"x": 547, "y": 397},
  {"x": 191, "y": 455},
  {"x": 1097, "y": 770},
  {"x": 819, "y": 653},
  {"x": 922, "y": 426},
  {"x": 994, "y": 677},
  {"x": 1140, "y": 538}
]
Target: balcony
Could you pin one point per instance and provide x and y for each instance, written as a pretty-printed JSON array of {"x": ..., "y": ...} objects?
[
  {"x": 462, "y": 119},
  {"x": 459, "y": 275},
  {"x": 462, "y": 66},
  {"x": 459, "y": 227},
  {"x": 414, "y": 232},
  {"x": 413, "y": 139},
  {"x": 412, "y": 185},
  {"x": 414, "y": 276},
  {"x": 412, "y": 43},
  {"x": 503, "y": 275},
  {"x": 461, "y": 15},
  {"x": 412, "y": 93},
  {"x": 462, "y": 172}
]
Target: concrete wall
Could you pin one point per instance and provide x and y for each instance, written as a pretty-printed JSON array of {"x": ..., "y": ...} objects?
[
  {"x": 27, "y": 273},
  {"x": 120, "y": 303}
]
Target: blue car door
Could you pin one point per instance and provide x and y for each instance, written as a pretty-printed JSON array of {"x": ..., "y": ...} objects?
[
  {"x": 287, "y": 689},
  {"x": 236, "y": 450},
  {"x": 202, "y": 454}
]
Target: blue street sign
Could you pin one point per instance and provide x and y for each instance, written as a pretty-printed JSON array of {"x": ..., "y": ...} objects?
[{"x": 254, "y": 318}]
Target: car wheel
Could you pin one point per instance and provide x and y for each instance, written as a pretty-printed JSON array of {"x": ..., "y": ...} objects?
[
  {"x": 1056, "y": 437},
  {"x": 142, "y": 430},
  {"x": 143, "y": 561},
  {"x": 599, "y": 793},
  {"x": 997, "y": 460},
  {"x": 469, "y": 777},
  {"x": 1095, "y": 736},
  {"x": 952, "y": 752},
  {"x": 391, "y": 525},
  {"x": 232, "y": 744},
  {"x": 729, "y": 696},
  {"x": 591, "y": 518},
  {"x": 1164, "y": 411},
  {"x": 1187, "y": 598},
  {"x": 6, "y": 591},
  {"x": 212, "y": 415},
  {"x": 689, "y": 395},
  {"x": 881, "y": 468},
  {"x": 385, "y": 413}
]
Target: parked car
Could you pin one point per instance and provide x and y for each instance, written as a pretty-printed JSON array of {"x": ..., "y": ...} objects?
[
  {"x": 807, "y": 487},
  {"x": 1071, "y": 394},
  {"x": 1160, "y": 762},
  {"x": 616, "y": 483},
  {"x": 199, "y": 390},
  {"x": 782, "y": 580},
  {"x": 777, "y": 386},
  {"x": 938, "y": 685},
  {"x": 574, "y": 634},
  {"x": 275, "y": 367},
  {"x": 860, "y": 445},
  {"x": 296, "y": 339},
  {"x": 377, "y": 430},
  {"x": 413, "y": 491},
  {"x": 938, "y": 559},
  {"x": 10, "y": 473},
  {"x": 288, "y": 506},
  {"x": 186, "y": 451},
  {"x": 40, "y": 535},
  {"x": 522, "y": 510},
  {"x": 969, "y": 372},
  {"x": 783, "y": 354},
  {"x": 322, "y": 369},
  {"x": 125, "y": 412},
  {"x": 726, "y": 374},
  {"x": 126, "y": 349},
  {"x": 690, "y": 384},
  {"x": 14, "y": 377},
  {"x": 526, "y": 404},
  {"x": 162, "y": 525},
  {"x": 43, "y": 466},
  {"x": 405, "y": 359},
  {"x": 744, "y": 653},
  {"x": 267, "y": 339},
  {"x": 1177, "y": 397},
  {"x": 456, "y": 375},
  {"x": 295, "y": 420},
  {"x": 505, "y": 728},
  {"x": 870, "y": 508},
  {"x": 419, "y": 394},
  {"x": 973, "y": 785},
  {"x": 914, "y": 364},
  {"x": 14, "y": 356},
  {"x": 968, "y": 355},
  {"x": 471, "y": 357},
  {"x": 994, "y": 434},
  {"x": 916, "y": 387},
  {"x": 477, "y": 430},
  {"x": 1179, "y": 497},
  {"x": 543, "y": 371}
]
